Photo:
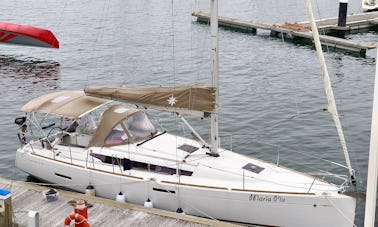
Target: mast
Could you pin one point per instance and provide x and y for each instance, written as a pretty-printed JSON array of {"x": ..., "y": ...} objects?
[
  {"x": 328, "y": 88},
  {"x": 214, "y": 132},
  {"x": 371, "y": 191}
]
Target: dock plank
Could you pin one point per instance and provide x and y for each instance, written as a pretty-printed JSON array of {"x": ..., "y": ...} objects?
[
  {"x": 352, "y": 20},
  {"x": 281, "y": 30},
  {"x": 105, "y": 212}
]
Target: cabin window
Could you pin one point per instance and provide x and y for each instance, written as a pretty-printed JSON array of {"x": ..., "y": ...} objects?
[
  {"x": 128, "y": 164},
  {"x": 139, "y": 126},
  {"x": 159, "y": 169},
  {"x": 253, "y": 168},
  {"x": 116, "y": 136},
  {"x": 188, "y": 148}
]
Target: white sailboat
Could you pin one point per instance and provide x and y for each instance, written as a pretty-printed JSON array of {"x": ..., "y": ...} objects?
[
  {"x": 76, "y": 139},
  {"x": 369, "y": 5}
]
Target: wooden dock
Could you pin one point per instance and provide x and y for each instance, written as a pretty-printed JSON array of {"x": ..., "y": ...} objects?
[
  {"x": 302, "y": 30},
  {"x": 28, "y": 197}
]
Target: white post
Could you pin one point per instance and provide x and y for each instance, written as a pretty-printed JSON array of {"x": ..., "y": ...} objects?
[
  {"x": 33, "y": 219},
  {"x": 214, "y": 136},
  {"x": 371, "y": 188}
]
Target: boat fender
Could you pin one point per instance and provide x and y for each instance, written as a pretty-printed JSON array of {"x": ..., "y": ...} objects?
[
  {"x": 80, "y": 220},
  {"x": 148, "y": 203},
  {"x": 90, "y": 190},
  {"x": 20, "y": 120},
  {"x": 180, "y": 211},
  {"x": 121, "y": 198}
]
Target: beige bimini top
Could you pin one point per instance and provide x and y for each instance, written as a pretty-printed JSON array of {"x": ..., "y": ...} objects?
[{"x": 73, "y": 104}]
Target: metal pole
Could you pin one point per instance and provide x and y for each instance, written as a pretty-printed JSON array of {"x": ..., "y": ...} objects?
[{"x": 214, "y": 134}]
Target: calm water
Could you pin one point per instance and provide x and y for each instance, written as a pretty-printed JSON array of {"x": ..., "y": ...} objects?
[{"x": 271, "y": 94}]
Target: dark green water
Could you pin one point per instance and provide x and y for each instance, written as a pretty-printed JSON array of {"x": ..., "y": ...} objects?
[{"x": 271, "y": 92}]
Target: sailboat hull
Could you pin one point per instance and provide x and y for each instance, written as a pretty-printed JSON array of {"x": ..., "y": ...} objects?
[{"x": 222, "y": 203}]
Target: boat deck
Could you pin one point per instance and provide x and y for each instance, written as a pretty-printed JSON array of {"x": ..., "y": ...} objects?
[{"x": 205, "y": 169}]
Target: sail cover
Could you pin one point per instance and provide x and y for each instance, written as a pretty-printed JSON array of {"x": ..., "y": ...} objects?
[
  {"x": 73, "y": 104},
  {"x": 27, "y": 35},
  {"x": 198, "y": 98}
]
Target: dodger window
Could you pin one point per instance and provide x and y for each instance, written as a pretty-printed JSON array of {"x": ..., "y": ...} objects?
[{"x": 139, "y": 126}]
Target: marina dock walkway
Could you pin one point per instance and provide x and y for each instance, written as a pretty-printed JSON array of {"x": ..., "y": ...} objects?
[
  {"x": 28, "y": 197},
  {"x": 355, "y": 23}
]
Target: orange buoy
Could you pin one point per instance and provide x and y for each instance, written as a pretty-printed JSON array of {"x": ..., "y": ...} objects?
[{"x": 80, "y": 220}]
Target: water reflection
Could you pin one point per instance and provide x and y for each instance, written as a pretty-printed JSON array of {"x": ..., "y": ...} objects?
[
  {"x": 28, "y": 74},
  {"x": 21, "y": 79}
]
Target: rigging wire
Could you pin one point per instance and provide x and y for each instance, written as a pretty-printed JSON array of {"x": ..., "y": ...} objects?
[
  {"x": 282, "y": 183},
  {"x": 344, "y": 215},
  {"x": 98, "y": 37},
  {"x": 290, "y": 117},
  {"x": 204, "y": 57},
  {"x": 304, "y": 154},
  {"x": 198, "y": 64},
  {"x": 173, "y": 44},
  {"x": 323, "y": 30},
  {"x": 174, "y": 85},
  {"x": 321, "y": 172}
]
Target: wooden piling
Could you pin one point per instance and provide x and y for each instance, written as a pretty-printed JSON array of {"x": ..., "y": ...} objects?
[{"x": 6, "y": 216}]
